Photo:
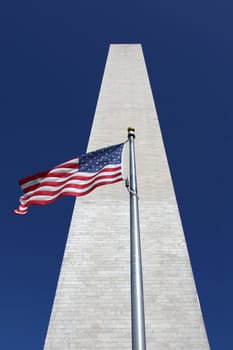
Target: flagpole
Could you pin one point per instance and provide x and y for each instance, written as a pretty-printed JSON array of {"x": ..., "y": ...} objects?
[{"x": 137, "y": 300}]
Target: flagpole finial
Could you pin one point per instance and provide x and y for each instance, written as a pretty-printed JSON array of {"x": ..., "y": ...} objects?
[{"x": 131, "y": 131}]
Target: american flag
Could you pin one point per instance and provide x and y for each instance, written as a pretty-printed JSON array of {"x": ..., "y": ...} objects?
[{"x": 76, "y": 177}]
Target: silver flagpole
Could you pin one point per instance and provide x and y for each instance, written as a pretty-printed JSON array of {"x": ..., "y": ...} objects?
[{"x": 137, "y": 300}]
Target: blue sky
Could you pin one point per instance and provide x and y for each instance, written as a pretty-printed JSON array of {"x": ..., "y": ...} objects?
[{"x": 52, "y": 59}]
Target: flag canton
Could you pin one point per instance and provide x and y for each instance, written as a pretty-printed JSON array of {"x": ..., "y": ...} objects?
[{"x": 94, "y": 161}]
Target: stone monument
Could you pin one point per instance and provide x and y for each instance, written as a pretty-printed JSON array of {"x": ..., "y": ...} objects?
[{"x": 92, "y": 304}]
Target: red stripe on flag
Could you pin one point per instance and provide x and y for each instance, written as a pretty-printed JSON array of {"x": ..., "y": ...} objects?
[
  {"x": 70, "y": 193},
  {"x": 33, "y": 177},
  {"x": 70, "y": 185},
  {"x": 75, "y": 176}
]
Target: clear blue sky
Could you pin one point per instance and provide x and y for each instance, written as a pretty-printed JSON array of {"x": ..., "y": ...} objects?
[{"x": 52, "y": 59}]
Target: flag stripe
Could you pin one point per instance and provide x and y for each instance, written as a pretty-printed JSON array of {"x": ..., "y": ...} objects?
[
  {"x": 58, "y": 171},
  {"x": 43, "y": 200},
  {"x": 33, "y": 177},
  {"x": 70, "y": 164},
  {"x": 70, "y": 192},
  {"x": 21, "y": 210},
  {"x": 54, "y": 179},
  {"x": 52, "y": 187},
  {"x": 75, "y": 187}
]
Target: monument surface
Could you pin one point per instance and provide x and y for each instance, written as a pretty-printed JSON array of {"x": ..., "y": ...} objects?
[{"x": 92, "y": 303}]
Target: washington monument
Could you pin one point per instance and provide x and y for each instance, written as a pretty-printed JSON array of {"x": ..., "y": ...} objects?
[{"x": 92, "y": 306}]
